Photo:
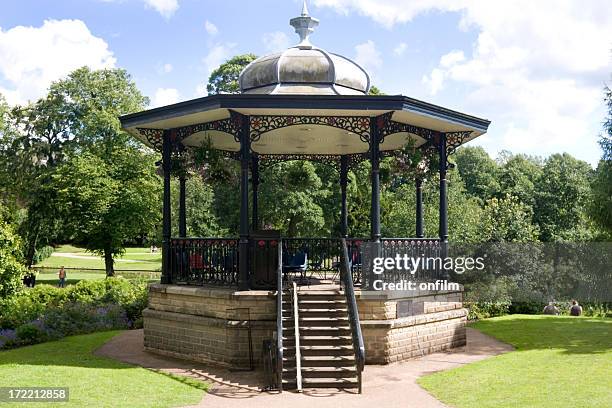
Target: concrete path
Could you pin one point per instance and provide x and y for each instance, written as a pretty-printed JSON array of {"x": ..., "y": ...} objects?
[{"x": 387, "y": 386}]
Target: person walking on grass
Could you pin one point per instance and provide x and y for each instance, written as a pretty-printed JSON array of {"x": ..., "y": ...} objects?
[
  {"x": 576, "y": 309},
  {"x": 62, "y": 277}
]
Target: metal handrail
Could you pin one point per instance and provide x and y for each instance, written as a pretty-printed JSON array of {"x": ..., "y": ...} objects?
[
  {"x": 296, "y": 332},
  {"x": 351, "y": 301},
  {"x": 279, "y": 319}
]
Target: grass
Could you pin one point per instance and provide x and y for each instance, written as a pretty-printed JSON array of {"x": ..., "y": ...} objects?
[
  {"x": 560, "y": 361},
  {"x": 93, "y": 381},
  {"x": 139, "y": 259}
]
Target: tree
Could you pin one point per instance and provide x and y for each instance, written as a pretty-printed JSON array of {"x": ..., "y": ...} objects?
[
  {"x": 561, "y": 199},
  {"x": 478, "y": 171},
  {"x": 224, "y": 80},
  {"x": 507, "y": 220},
  {"x": 517, "y": 177},
  {"x": 601, "y": 187},
  {"x": 108, "y": 200},
  {"x": 11, "y": 269},
  {"x": 201, "y": 219}
]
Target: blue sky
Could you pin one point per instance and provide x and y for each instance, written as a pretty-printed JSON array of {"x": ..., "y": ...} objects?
[{"x": 536, "y": 69}]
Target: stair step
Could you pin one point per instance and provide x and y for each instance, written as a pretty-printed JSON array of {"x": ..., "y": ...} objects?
[
  {"x": 327, "y": 361},
  {"x": 320, "y": 372},
  {"x": 335, "y": 350},
  {"x": 319, "y": 340},
  {"x": 330, "y": 383}
]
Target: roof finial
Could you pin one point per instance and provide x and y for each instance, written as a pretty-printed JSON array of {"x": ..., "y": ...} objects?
[
  {"x": 304, "y": 26},
  {"x": 305, "y": 9}
]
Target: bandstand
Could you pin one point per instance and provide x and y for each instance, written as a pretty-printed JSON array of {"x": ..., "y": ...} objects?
[{"x": 300, "y": 104}]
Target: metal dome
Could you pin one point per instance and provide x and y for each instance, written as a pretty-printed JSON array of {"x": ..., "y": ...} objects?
[{"x": 304, "y": 69}]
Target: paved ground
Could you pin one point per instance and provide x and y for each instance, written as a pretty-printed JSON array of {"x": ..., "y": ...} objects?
[{"x": 388, "y": 386}]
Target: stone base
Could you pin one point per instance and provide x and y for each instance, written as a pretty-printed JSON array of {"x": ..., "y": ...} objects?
[{"x": 209, "y": 325}]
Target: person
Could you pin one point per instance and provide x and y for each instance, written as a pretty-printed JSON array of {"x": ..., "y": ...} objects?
[
  {"x": 551, "y": 309},
  {"x": 62, "y": 277},
  {"x": 576, "y": 309}
]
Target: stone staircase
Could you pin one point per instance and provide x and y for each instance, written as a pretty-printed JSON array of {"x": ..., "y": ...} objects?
[{"x": 326, "y": 346}]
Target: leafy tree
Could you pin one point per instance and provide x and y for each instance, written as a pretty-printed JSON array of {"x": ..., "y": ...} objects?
[
  {"x": 224, "y": 80},
  {"x": 507, "y": 219},
  {"x": 11, "y": 269},
  {"x": 108, "y": 200},
  {"x": 561, "y": 199},
  {"x": 517, "y": 177},
  {"x": 201, "y": 219},
  {"x": 374, "y": 90},
  {"x": 289, "y": 196},
  {"x": 478, "y": 171},
  {"x": 601, "y": 203}
]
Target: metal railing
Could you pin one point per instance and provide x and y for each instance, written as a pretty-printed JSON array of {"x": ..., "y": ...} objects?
[
  {"x": 351, "y": 301},
  {"x": 201, "y": 261},
  {"x": 279, "y": 320},
  {"x": 423, "y": 248},
  {"x": 296, "y": 333}
]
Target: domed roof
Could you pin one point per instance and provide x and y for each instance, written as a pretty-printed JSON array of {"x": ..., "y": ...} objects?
[{"x": 304, "y": 69}]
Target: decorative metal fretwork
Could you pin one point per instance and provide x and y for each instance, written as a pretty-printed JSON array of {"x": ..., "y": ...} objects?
[
  {"x": 332, "y": 160},
  {"x": 387, "y": 127},
  {"x": 231, "y": 126},
  {"x": 455, "y": 139},
  {"x": 359, "y": 125},
  {"x": 155, "y": 137}
]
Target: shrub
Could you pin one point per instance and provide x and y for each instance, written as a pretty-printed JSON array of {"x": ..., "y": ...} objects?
[
  {"x": 31, "y": 333},
  {"x": 11, "y": 270},
  {"x": 483, "y": 310},
  {"x": 42, "y": 253}
]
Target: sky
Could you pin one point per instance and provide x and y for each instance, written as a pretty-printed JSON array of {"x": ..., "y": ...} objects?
[{"x": 536, "y": 69}]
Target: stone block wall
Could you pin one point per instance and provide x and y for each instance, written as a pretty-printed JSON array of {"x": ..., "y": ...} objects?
[
  {"x": 397, "y": 329},
  {"x": 208, "y": 324}
]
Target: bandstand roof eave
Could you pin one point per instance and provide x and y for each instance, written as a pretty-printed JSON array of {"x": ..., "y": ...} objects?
[{"x": 215, "y": 107}]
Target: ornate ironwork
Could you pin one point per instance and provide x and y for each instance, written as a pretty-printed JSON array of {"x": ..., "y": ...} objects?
[
  {"x": 231, "y": 126},
  {"x": 359, "y": 125},
  {"x": 387, "y": 127},
  {"x": 155, "y": 137},
  {"x": 268, "y": 160},
  {"x": 454, "y": 140}
]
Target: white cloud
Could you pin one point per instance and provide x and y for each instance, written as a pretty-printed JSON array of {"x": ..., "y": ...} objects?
[
  {"x": 167, "y": 68},
  {"x": 276, "y": 41},
  {"x": 536, "y": 68},
  {"x": 210, "y": 28},
  {"x": 216, "y": 56},
  {"x": 400, "y": 49},
  {"x": 368, "y": 56},
  {"x": 32, "y": 57},
  {"x": 166, "y": 8},
  {"x": 165, "y": 96}
]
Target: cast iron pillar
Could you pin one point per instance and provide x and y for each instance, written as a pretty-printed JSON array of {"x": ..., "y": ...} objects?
[
  {"x": 182, "y": 207},
  {"x": 343, "y": 184},
  {"x": 255, "y": 183},
  {"x": 443, "y": 188},
  {"x": 375, "y": 161},
  {"x": 245, "y": 153},
  {"x": 419, "y": 208},
  {"x": 166, "y": 214}
]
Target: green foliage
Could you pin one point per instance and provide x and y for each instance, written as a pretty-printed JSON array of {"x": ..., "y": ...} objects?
[
  {"x": 289, "y": 199},
  {"x": 479, "y": 172},
  {"x": 110, "y": 200},
  {"x": 606, "y": 138},
  {"x": 42, "y": 253},
  {"x": 224, "y": 80},
  {"x": 507, "y": 219},
  {"x": 375, "y": 91},
  {"x": 601, "y": 186},
  {"x": 11, "y": 269},
  {"x": 201, "y": 218},
  {"x": 34, "y": 304},
  {"x": 561, "y": 199}
]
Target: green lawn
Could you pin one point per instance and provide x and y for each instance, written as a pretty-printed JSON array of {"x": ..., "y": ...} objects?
[
  {"x": 560, "y": 361},
  {"x": 93, "y": 381},
  {"x": 73, "y": 257}
]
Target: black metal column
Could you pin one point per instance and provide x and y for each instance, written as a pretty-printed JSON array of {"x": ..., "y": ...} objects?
[
  {"x": 245, "y": 152},
  {"x": 255, "y": 183},
  {"x": 343, "y": 184},
  {"x": 182, "y": 207},
  {"x": 375, "y": 161},
  {"x": 166, "y": 214},
  {"x": 443, "y": 188},
  {"x": 419, "y": 207}
]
